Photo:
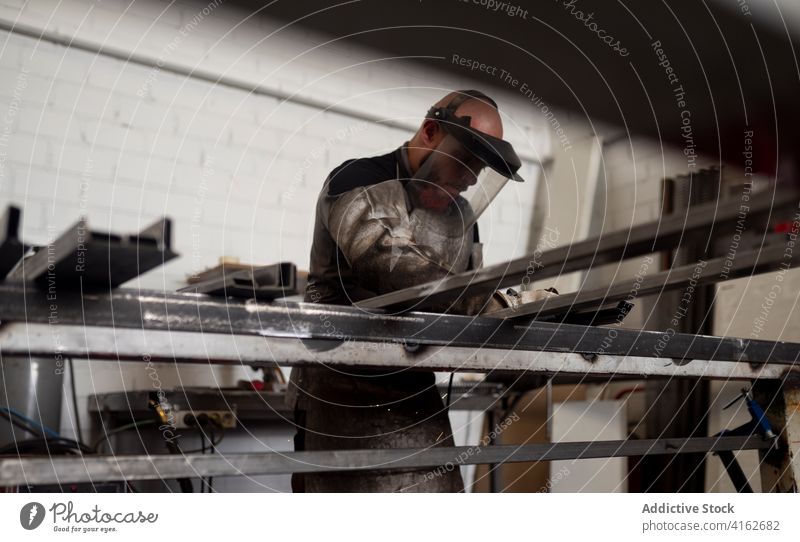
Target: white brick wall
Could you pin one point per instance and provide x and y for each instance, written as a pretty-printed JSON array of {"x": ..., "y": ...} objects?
[{"x": 148, "y": 133}]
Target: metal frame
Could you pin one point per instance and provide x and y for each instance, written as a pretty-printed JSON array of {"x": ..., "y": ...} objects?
[
  {"x": 85, "y": 259},
  {"x": 11, "y": 248},
  {"x": 149, "y": 467},
  {"x": 144, "y": 346},
  {"x": 158, "y": 327},
  {"x": 191, "y": 312},
  {"x": 265, "y": 283}
]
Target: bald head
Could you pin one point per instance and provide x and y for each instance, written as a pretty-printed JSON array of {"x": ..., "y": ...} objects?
[{"x": 484, "y": 117}]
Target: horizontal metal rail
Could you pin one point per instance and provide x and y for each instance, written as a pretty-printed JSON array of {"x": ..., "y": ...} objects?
[
  {"x": 197, "y": 313},
  {"x": 709, "y": 272},
  {"x": 88, "y": 468},
  {"x": 58, "y": 342}
]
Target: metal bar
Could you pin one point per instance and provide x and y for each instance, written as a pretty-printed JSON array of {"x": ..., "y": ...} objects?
[
  {"x": 735, "y": 473},
  {"x": 82, "y": 258},
  {"x": 11, "y": 248},
  {"x": 665, "y": 233},
  {"x": 266, "y": 283},
  {"x": 717, "y": 270},
  {"x": 19, "y": 471},
  {"x": 144, "y": 346},
  {"x": 192, "y": 312}
]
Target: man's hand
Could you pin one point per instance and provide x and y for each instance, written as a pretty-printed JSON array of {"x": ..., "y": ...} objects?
[{"x": 511, "y": 299}]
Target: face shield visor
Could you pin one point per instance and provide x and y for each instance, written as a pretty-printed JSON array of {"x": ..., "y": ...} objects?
[{"x": 466, "y": 171}]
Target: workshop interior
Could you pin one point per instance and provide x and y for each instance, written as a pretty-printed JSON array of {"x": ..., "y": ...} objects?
[{"x": 450, "y": 247}]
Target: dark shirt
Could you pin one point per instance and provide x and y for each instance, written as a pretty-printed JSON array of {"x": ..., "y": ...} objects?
[{"x": 330, "y": 278}]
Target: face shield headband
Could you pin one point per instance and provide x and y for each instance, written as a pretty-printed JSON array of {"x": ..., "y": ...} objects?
[{"x": 494, "y": 152}]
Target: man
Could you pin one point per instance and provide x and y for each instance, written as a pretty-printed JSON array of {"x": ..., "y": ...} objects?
[{"x": 383, "y": 224}]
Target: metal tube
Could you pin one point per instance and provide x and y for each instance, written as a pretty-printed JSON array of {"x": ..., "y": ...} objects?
[
  {"x": 17, "y": 471},
  {"x": 135, "y": 309},
  {"x": 32, "y": 387}
]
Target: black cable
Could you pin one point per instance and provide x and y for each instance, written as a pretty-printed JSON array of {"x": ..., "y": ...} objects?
[
  {"x": 172, "y": 446},
  {"x": 107, "y": 436},
  {"x": 204, "y": 422},
  {"x": 45, "y": 446},
  {"x": 79, "y": 433},
  {"x": 213, "y": 442}
]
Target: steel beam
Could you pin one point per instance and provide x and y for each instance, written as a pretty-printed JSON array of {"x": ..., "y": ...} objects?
[
  {"x": 282, "y": 319},
  {"x": 85, "y": 259},
  {"x": 51, "y": 470},
  {"x": 712, "y": 271},
  {"x": 146, "y": 346},
  {"x": 667, "y": 233},
  {"x": 266, "y": 283},
  {"x": 11, "y": 248}
]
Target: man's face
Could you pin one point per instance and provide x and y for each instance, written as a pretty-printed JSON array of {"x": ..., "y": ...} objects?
[{"x": 452, "y": 172}]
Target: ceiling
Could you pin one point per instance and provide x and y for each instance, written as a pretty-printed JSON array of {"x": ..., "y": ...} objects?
[{"x": 738, "y": 71}]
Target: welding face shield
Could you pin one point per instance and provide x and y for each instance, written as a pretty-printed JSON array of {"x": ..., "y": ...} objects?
[{"x": 466, "y": 171}]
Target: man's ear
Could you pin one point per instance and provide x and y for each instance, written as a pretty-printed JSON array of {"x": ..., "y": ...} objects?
[{"x": 431, "y": 133}]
